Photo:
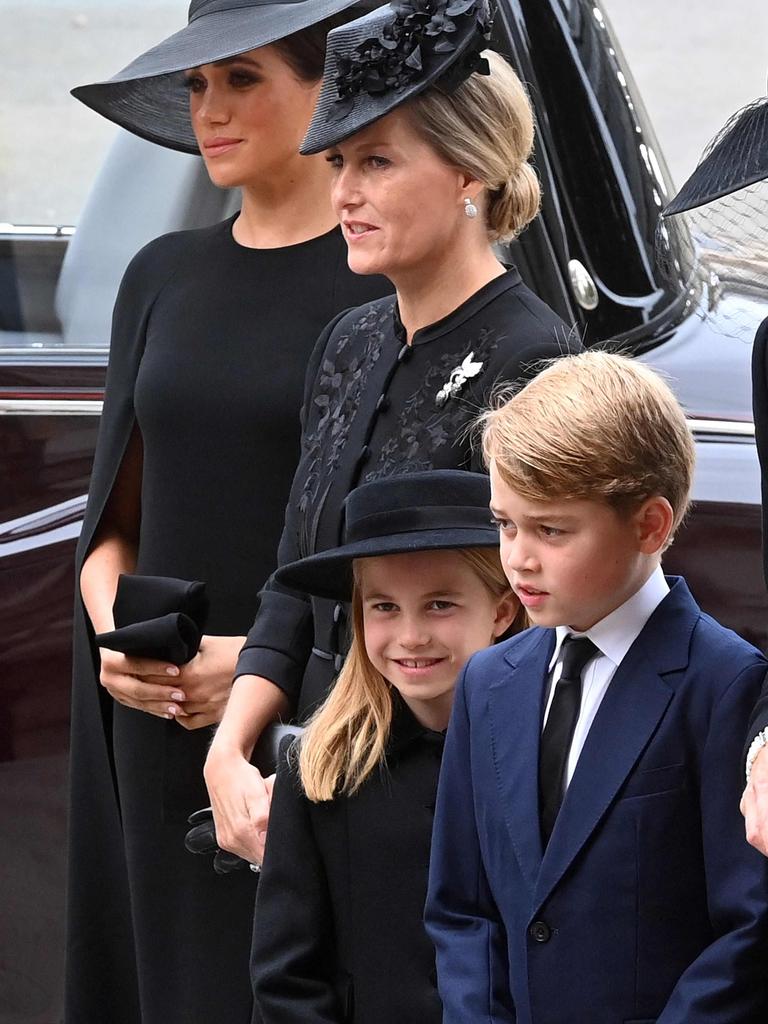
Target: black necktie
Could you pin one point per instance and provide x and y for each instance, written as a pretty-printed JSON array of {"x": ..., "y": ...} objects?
[{"x": 558, "y": 732}]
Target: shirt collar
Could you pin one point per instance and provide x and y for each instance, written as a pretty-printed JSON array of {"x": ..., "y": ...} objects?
[{"x": 615, "y": 634}]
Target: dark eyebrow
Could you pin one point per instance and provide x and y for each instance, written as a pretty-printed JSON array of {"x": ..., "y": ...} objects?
[{"x": 239, "y": 58}]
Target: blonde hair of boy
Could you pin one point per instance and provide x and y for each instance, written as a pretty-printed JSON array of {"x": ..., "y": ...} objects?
[
  {"x": 347, "y": 736},
  {"x": 486, "y": 128},
  {"x": 594, "y": 426}
]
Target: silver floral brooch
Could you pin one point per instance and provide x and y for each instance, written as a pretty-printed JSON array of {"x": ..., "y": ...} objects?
[{"x": 457, "y": 379}]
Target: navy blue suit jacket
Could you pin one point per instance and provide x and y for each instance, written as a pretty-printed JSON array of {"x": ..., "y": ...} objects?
[{"x": 648, "y": 905}]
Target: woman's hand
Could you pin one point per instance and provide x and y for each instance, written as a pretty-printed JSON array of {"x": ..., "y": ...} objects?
[
  {"x": 754, "y": 803},
  {"x": 240, "y": 797},
  {"x": 195, "y": 694},
  {"x": 206, "y": 681},
  {"x": 142, "y": 683}
]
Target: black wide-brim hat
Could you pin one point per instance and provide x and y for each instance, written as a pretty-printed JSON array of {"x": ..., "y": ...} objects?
[
  {"x": 736, "y": 158},
  {"x": 375, "y": 64},
  {"x": 435, "y": 510},
  {"x": 149, "y": 96}
]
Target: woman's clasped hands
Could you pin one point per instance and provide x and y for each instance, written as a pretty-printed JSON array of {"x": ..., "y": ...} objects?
[{"x": 194, "y": 694}]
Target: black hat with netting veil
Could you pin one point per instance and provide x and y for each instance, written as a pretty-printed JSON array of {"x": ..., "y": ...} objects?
[
  {"x": 735, "y": 158},
  {"x": 149, "y": 96},
  {"x": 438, "y": 509},
  {"x": 380, "y": 61}
]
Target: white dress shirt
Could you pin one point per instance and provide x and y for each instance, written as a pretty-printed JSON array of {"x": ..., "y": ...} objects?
[{"x": 613, "y": 636}]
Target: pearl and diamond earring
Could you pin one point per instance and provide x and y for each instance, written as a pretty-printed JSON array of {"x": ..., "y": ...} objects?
[{"x": 470, "y": 210}]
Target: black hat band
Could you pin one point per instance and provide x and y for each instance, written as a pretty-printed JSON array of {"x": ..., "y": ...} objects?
[{"x": 416, "y": 520}]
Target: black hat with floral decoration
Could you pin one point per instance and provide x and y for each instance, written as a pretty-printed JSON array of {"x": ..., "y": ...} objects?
[{"x": 377, "y": 63}]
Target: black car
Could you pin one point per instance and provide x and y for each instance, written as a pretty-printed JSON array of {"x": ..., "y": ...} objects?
[{"x": 592, "y": 255}]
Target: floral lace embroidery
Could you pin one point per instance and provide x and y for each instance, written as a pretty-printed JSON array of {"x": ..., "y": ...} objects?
[
  {"x": 341, "y": 381},
  {"x": 423, "y": 427}
]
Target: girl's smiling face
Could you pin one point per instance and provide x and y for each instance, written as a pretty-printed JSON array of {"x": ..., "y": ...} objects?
[{"x": 424, "y": 614}]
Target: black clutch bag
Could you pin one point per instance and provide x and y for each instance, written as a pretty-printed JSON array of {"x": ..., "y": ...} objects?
[
  {"x": 201, "y": 838},
  {"x": 157, "y": 617}
]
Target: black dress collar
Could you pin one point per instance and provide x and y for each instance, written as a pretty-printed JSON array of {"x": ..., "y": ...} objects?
[
  {"x": 406, "y": 729},
  {"x": 510, "y": 279}
]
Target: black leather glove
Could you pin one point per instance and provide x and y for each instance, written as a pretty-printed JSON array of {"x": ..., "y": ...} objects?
[{"x": 201, "y": 838}]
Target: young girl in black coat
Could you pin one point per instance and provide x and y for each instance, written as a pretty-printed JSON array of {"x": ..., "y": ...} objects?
[{"x": 343, "y": 884}]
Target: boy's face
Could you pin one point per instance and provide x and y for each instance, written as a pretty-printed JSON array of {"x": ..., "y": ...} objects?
[
  {"x": 424, "y": 614},
  {"x": 572, "y": 562}
]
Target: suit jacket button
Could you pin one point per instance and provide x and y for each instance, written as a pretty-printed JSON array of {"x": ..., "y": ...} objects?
[{"x": 540, "y": 931}]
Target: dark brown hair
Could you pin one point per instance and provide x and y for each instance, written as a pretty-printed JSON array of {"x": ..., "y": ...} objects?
[{"x": 304, "y": 51}]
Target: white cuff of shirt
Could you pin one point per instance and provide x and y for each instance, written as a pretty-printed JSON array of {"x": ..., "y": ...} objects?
[{"x": 757, "y": 744}]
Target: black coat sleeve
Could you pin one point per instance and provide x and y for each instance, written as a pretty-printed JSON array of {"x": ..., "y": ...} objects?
[
  {"x": 759, "y": 720},
  {"x": 279, "y": 643},
  {"x": 293, "y": 952}
]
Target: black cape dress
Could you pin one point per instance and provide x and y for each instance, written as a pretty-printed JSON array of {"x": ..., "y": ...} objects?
[
  {"x": 209, "y": 351},
  {"x": 375, "y": 406},
  {"x": 338, "y": 931}
]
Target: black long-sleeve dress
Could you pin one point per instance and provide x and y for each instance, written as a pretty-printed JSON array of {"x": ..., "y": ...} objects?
[
  {"x": 376, "y": 406},
  {"x": 338, "y": 934},
  {"x": 209, "y": 352}
]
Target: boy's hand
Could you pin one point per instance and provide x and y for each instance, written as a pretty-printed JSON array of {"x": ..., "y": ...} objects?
[{"x": 754, "y": 803}]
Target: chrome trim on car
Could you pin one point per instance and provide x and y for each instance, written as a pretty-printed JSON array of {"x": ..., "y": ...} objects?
[
  {"x": 723, "y": 428},
  {"x": 50, "y": 407}
]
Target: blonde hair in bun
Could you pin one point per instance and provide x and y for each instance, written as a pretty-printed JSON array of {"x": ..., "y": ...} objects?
[{"x": 486, "y": 128}]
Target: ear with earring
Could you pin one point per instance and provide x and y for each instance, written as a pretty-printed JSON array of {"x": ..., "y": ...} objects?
[{"x": 470, "y": 210}]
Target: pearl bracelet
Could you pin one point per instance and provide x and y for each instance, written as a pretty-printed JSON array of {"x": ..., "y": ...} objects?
[{"x": 757, "y": 744}]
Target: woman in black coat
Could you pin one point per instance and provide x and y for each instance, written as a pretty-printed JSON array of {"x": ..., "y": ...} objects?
[
  {"x": 211, "y": 335},
  {"x": 338, "y": 934},
  {"x": 425, "y": 180}
]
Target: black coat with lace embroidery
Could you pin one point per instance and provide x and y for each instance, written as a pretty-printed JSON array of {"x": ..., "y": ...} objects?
[{"x": 375, "y": 406}]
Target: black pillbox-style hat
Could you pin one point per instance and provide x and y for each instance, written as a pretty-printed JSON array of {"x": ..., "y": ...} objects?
[
  {"x": 380, "y": 61},
  {"x": 426, "y": 511}
]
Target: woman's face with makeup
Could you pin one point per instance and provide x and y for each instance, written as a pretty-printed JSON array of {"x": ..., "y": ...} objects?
[
  {"x": 399, "y": 204},
  {"x": 249, "y": 114}
]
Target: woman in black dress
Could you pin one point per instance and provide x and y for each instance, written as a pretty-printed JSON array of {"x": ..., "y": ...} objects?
[
  {"x": 425, "y": 179},
  {"x": 211, "y": 336}
]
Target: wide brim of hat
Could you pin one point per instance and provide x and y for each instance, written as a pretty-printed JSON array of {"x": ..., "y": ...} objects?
[
  {"x": 329, "y": 573},
  {"x": 149, "y": 97},
  {"x": 325, "y": 130},
  {"x": 737, "y": 159}
]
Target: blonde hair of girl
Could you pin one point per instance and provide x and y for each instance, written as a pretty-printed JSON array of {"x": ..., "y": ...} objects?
[{"x": 347, "y": 736}]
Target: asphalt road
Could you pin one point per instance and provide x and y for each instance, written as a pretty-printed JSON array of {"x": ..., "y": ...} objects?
[{"x": 696, "y": 61}]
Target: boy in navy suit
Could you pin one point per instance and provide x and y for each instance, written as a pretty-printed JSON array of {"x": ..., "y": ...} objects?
[{"x": 589, "y": 864}]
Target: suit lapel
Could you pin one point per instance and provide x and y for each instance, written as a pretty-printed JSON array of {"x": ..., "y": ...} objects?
[
  {"x": 636, "y": 701},
  {"x": 515, "y": 708}
]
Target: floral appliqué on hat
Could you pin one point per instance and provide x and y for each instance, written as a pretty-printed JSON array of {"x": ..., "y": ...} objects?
[{"x": 396, "y": 57}]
